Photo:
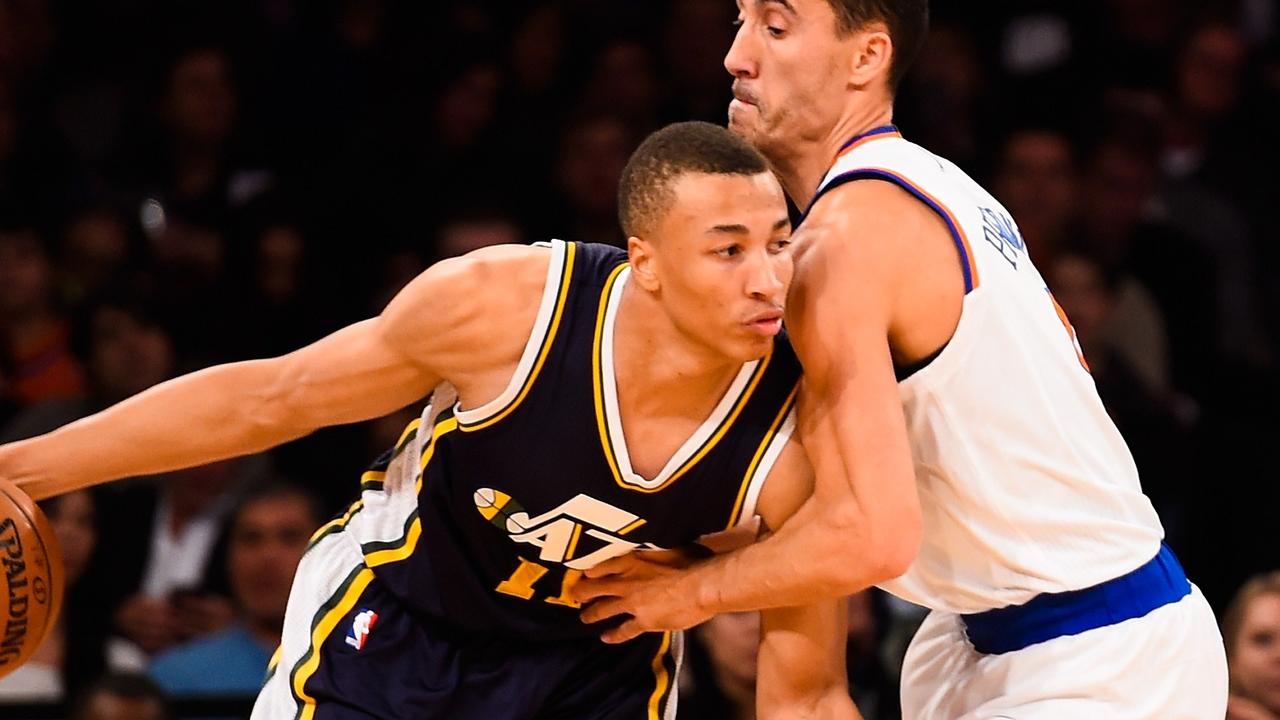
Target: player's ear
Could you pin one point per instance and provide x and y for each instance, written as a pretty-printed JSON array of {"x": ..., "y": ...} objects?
[
  {"x": 643, "y": 269},
  {"x": 872, "y": 54}
]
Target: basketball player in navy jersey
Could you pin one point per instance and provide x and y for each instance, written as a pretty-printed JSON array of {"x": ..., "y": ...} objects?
[
  {"x": 964, "y": 460},
  {"x": 602, "y": 402}
]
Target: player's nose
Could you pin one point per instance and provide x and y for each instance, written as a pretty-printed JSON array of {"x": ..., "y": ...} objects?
[
  {"x": 765, "y": 279},
  {"x": 740, "y": 60}
]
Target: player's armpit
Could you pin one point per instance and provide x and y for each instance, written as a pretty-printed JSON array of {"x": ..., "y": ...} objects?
[{"x": 801, "y": 672}]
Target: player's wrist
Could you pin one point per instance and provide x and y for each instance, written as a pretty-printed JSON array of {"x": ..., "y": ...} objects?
[{"x": 706, "y": 594}]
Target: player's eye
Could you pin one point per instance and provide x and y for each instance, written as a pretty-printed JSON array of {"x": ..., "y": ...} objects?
[
  {"x": 776, "y": 32},
  {"x": 728, "y": 251},
  {"x": 778, "y": 246}
]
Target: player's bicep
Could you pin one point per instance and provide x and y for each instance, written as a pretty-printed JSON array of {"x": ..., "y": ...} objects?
[
  {"x": 450, "y": 320},
  {"x": 351, "y": 375}
]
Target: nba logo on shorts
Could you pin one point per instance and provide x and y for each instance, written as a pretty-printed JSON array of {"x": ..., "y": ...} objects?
[{"x": 360, "y": 627}]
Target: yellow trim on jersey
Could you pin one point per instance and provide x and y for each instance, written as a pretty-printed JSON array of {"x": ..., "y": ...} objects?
[
  {"x": 760, "y": 452},
  {"x": 409, "y": 430},
  {"x": 596, "y": 376},
  {"x": 274, "y": 662},
  {"x": 336, "y": 523},
  {"x": 597, "y": 383},
  {"x": 321, "y": 631},
  {"x": 547, "y": 341},
  {"x": 662, "y": 677},
  {"x": 414, "y": 532}
]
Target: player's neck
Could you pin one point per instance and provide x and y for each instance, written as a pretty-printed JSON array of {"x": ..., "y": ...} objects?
[
  {"x": 801, "y": 166},
  {"x": 668, "y": 368}
]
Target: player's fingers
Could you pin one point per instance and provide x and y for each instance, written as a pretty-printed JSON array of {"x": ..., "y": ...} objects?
[
  {"x": 602, "y": 610},
  {"x": 586, "y": 590},
  {"x": 624, "y": 632},
  {"x": 616, "y": 566}
]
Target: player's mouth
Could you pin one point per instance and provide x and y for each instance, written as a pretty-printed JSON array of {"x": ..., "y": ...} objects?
[
  {"x": 767, "y": 324},
  {"x": 743, "y": 96}
]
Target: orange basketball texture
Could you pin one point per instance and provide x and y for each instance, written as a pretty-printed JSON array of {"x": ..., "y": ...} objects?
[{"x": 32, "y": 577}]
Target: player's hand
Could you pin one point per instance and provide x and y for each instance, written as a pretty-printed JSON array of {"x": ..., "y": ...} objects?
[{"x": 649, "y": 591}]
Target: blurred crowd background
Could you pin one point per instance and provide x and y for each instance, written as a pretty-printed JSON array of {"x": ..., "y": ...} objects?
[{"x": 191, "y": 182}]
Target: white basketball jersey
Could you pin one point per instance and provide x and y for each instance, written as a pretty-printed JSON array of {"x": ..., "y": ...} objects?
[{"x": 1025, "y": 484}]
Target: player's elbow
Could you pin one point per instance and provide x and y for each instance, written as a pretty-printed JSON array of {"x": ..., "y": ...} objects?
[{"x": 871, "y": 548}]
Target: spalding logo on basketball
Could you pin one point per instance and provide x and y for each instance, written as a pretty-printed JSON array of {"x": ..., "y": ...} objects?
[{"x": 32, "y": 570}]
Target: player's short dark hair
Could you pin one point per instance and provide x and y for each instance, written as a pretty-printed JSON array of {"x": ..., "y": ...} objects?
[
  {"x": 644, "y": 191},
  {"x": 907, "y": 20}
]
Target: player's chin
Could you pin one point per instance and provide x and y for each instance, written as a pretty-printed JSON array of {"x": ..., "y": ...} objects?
[
  {"x": 744, "y": 119},
  {"x": 752, "y": 346}
]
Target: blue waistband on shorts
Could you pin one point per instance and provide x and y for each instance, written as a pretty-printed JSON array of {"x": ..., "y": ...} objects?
[{"x": 1050, "y": 615}]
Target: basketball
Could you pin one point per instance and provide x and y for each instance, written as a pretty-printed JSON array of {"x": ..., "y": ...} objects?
[{"x": 32, "y": 589}]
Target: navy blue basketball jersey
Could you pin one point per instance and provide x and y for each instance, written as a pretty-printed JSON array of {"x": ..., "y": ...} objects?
[{"x": 485, "y": 517}]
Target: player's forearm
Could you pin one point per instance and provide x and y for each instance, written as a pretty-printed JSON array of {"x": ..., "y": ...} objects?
[
  {"x": 822, "y": 552},
  {"x": 801, "y": 666},
  {"x": 210, "y": 415}
]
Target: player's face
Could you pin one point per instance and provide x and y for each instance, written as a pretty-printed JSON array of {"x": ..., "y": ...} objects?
[
  {"x": 722, "y": 262},
  {"x": 790, "y": 73}
]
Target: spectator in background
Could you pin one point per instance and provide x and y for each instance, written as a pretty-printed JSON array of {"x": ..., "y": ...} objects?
[
  {"x": 1037, "y": 179},
  {"x": 1152, "y": 419},
  {"x": 873, "y": 686},
  {"x": 1207, "y": 146},
  {"x": 200, "y": 174},
  {"x": 697, "y": 33},
  {"x": 474, "y": 230},
  {"x": 593, "y": 151},
  {"x": 126, "y": 350},
  {"x": 269, "y": 533},
  {"x": 166, "y": 574},
  {"x": 122, "y": 696},
  {"x": 624, "y": 82},
  {"x": 721, "y": 674},
  {"x": 1251, "y": 630},
  {"x": 73, "y": 651},
  {"x": 35, "y": 338},
  {"x": 97, "y": 248},
  {"x": 943, "y": 100},
  {"x": 1120, "y": 228}
]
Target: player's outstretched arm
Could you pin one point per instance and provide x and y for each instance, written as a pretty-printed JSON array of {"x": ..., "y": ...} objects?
[{"x": 448, "y": 324}]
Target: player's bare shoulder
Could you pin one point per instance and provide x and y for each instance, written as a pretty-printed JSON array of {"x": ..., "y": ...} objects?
[
  {"x": 873, "y": 247},
  {"x": 471, "y": 316}
]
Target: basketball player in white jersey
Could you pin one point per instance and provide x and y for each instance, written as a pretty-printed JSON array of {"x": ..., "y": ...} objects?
[{"x": 964, "y": 459}]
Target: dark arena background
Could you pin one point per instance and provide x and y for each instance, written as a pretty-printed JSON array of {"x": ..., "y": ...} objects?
[{"x": 184, "y": 183}]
